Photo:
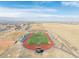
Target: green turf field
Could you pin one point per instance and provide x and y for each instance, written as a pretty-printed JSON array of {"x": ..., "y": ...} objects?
[{"x": 38, "y": 38}]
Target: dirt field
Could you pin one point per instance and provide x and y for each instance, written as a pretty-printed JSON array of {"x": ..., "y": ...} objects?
[{"x": 69, "y": 32}]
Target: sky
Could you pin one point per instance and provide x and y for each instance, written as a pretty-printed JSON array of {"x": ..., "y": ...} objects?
[{"x": 40, "y": 10}]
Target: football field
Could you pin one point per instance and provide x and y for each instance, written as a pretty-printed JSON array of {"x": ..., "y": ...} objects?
[{"x": 38, "y": 38}]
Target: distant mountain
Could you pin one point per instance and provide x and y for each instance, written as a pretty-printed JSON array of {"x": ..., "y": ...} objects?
[
  {"x": 6, "y": 20},
  {"x": 10, "y": 20}
]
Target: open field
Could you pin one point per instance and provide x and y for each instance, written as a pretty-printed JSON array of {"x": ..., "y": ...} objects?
[{"x": 68, "y": 32}]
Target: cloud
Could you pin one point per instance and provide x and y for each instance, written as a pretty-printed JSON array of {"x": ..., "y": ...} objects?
[
  {"x": 17, "y": 12},
  {"x": 71, "y": 3},
  {"x": 43, "y": 14},
  {"x": 9, "y": 12}
]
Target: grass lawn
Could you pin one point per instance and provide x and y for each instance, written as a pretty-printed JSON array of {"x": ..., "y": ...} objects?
[{"x": 38, "y": 38}]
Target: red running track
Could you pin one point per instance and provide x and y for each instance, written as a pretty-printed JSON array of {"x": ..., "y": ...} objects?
[{"x": 42, "y": 46}]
